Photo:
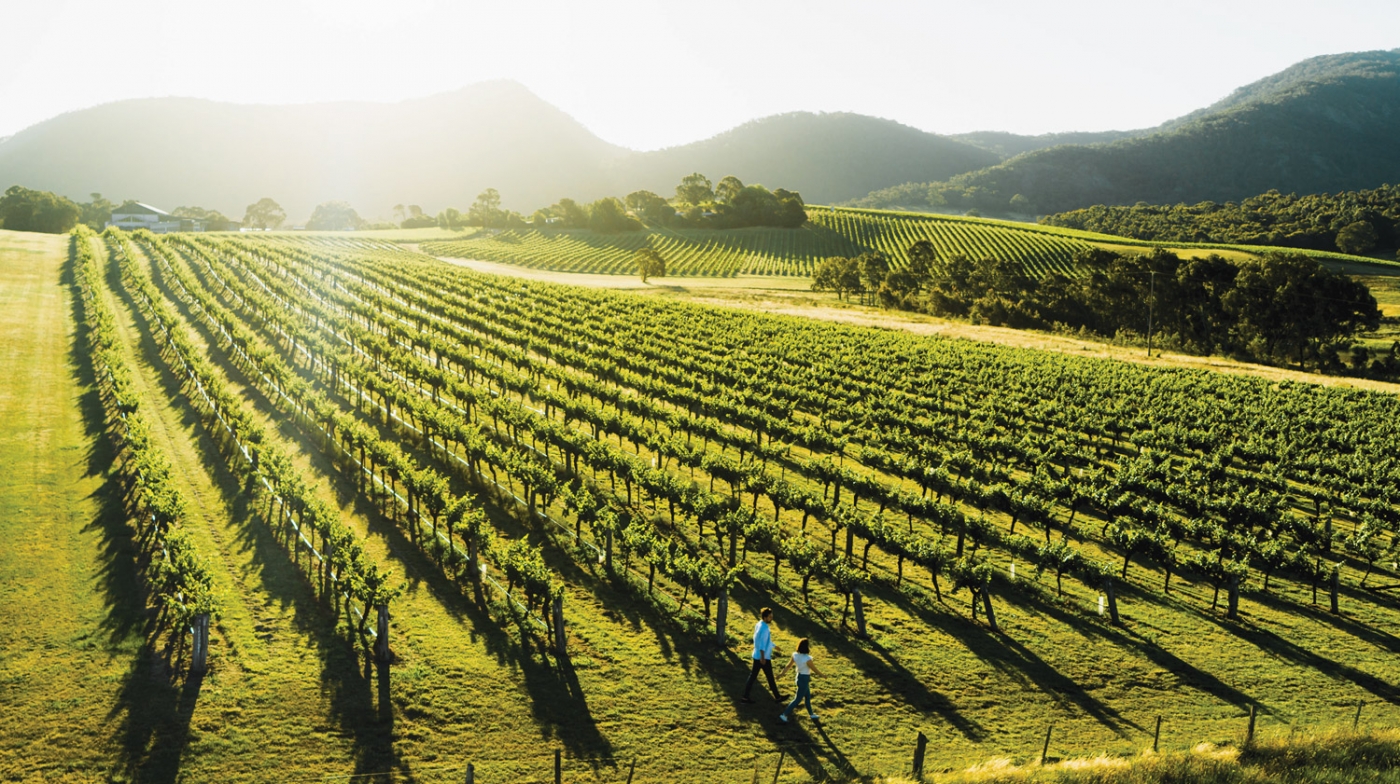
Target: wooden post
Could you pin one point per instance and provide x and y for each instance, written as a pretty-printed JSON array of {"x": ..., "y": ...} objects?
[
  {"x": 860, "y": 612},
  {"x": 558, "y": 766},
  {"x": 633, "y": 769},
  {"x": 782, "y": 755},
  {"x": 1112, "y": 600},
  {"x": 1233, "y": 604},
  {"x": 1356, "y": 720},
  {"x": 755, "y": 770},
  {"x": 1249, "y": 734},
  {"x": 1156, "y": 734},
  {"x": 920, "y": 746},
  {"x": 1336, "y": 580},
  {"x": 1045, "y": 750},
  {"x": 721, "y": 618},
  {"x": 987, "y": 605},
  {"x": 561, "y": 640},
  {"x": 199, "y": 656},
  {"x": 381, "y": 631},
  {"x": 471, "y": 774}
]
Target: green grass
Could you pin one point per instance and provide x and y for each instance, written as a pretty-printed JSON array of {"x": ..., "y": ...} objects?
[
  {"x": 81, "y": 698},
  {"x": 830, "y": 231},
  {"x": 1339, "y": 756}
]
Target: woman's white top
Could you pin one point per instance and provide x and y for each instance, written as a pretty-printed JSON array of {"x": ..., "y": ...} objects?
[{"x": 802, "y": 660}]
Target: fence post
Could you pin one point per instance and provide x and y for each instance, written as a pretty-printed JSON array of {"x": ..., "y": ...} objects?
[
  {"x": 1156, "y": 734},
  {"x": 1356, "y": 720},
  {"x": 1233, "y": 602},
  {"x": 1249, "y": 734},
  {"x": 1045, "y": 750},
  {"x": 471, "y": 774},
  {"x": 920, "y": 746},
  {"x": 381, "y": 630},
  {"x": 1336, "y": 579},
  {"x": 987, "y": 605},
  {"x": 558, "y": 766},
  {"x": 199, "y": 656},
  {"x": 721, "y": 617},
  {"x": 633, "y": 769},
  {"x": 782, "y": 755},
  {"x": 560, "y": 638},
  {"x": 860, "y": 612}
]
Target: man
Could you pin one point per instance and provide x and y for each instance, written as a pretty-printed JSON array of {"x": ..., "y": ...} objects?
[{"x": 763, "y": 650}]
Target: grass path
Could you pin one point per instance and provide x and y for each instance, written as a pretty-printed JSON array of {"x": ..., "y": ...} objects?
[{"x": 69, "y": 630}]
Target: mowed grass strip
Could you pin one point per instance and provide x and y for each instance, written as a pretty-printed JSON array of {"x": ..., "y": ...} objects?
[{"x": 70, "y": 625}]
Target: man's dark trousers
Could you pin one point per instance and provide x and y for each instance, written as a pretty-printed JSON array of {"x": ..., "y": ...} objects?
[{"x": 767, "y": 666}]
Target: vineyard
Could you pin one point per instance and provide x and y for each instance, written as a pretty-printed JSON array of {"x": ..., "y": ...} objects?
[
  {"x": 545, "y": 516},
  {"x": 829, "y": 232}
]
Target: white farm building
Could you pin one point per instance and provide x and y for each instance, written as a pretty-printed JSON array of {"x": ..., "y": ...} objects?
[{"x": 135, "y": 215}]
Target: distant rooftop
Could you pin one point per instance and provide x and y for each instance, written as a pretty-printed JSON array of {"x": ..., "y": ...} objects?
[{"x": 137, "y": 208}]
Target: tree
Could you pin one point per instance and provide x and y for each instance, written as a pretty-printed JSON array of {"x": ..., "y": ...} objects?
[
  {"x": 265, "y": 214},
  {"x": 607, "y": 215},
  {"x": 213, "y": 219},
  {"x": 650, "y": 264},
  {"x": 334, "y": 216},
  {"x": 450, "y": 218},
  {"x": 570, "y": 213},
  {"x": 97, "y": 212},
  {"x": 22, "y": 209},
  {"x": 728, "y": 188},
  {"x": 650, "y": 207},
  {"x": 486, "y": 210},
  {"x": 694, "y": 189},
  {"x": 1357, "y": 238}
]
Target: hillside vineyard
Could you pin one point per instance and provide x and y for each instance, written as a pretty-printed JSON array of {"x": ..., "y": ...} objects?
[
  {"x": 694, "y": 447},
  {"x": 829, "y": 232}
]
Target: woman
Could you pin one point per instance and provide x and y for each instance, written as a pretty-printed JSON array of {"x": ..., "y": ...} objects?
[{"x": 805, "y": 669}]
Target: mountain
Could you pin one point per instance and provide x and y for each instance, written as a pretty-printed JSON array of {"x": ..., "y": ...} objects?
[
  {"x": 440, "y": 151},
  {"x": 1325, "y": 124},
  {"x": 1009, "y": 145},
  {"x": 821, "y": 156}
]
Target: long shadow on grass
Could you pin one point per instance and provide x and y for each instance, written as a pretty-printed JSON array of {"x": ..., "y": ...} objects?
[
  {"x": 1377, "y": 637},
  {"x": 151, "y": 710},
  {"x": 1125, "y": 637},
  {"x": 1274, "y": 645},
  {"x": 351, "y": 692},
  {"x": 118, "y": 575},
  {"x": 557, "y": 700}
]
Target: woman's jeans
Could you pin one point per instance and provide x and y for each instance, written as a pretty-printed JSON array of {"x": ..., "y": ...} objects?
[{"x": 804, "y": 692}]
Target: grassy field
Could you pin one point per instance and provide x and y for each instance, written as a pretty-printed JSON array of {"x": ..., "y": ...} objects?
[
  {"x": 830, "y": 231},
  {"x": 83, "y": 697}
]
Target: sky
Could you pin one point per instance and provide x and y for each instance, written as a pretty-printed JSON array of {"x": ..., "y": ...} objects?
[{"x": 648, "y": 75}]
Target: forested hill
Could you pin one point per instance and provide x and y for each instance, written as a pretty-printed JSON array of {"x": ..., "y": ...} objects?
[
  {"x": 1327, "y": 124},
  {"x": 1356, "y": 222},
  {"x": 441, "y": 152}
]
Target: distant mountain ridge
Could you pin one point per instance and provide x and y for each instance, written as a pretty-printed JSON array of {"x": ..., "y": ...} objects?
[
  {"x": 1326, "y": 124},
  {"x": 442, "y": 151}
]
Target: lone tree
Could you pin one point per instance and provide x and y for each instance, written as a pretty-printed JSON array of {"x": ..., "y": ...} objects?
[
  {"x": 266, "y": 214},
  {"x": 650, "y": 264}
]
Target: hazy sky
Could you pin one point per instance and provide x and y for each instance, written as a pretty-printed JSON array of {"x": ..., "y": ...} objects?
[{"x": 653, "y": 74}]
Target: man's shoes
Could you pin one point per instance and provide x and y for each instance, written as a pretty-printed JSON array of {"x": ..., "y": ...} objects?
[
  {"x": 747, "y": 700},
  {"x": 782, "y": 717},
  {"x": 779, "y": 698},
  {"x": 812, "y": 716}
]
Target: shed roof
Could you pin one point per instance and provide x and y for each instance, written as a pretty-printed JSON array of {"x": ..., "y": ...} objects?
[{"x": 138, "y": 208}]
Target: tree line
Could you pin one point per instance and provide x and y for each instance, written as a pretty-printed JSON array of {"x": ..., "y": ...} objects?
[
  {"x": 1357, "y": 222},
  {"x": 1276, "y": 308},
  {"x": 697, "y": 203}
]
